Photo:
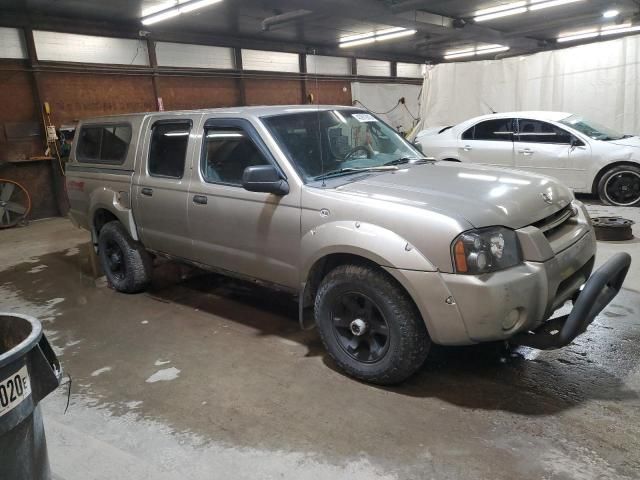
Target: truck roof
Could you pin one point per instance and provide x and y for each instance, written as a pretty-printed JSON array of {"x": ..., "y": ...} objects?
[{"x": 256, "y": 111}]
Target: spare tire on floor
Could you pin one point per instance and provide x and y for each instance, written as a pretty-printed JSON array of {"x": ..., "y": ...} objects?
[{"x": 613, "y": 228}]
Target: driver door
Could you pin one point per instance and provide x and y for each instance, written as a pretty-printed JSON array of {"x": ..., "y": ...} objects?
[{"x": 544, "y": 148}]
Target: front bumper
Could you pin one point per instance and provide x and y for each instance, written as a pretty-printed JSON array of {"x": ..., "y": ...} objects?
[
  {"x": 468, "y": 309},
  {"x": 498, "y": 305},
  {"x": 599, "y": 290}
]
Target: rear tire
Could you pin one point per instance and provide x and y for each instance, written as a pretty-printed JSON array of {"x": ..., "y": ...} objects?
[
  {"x": 125, "y": 262},
  {"x": 620, "y": 186},
  {"x": 369, "y": 325}
]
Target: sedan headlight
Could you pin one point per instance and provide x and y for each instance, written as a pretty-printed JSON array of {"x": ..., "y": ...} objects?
[{"x": 485, "y": 250}]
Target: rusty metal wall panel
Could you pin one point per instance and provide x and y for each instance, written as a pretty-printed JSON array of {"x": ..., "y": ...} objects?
[
  {"x": 193, "y": 56},
  {"x": 18, "y": 106},
  {"x": 330, "y": 92},
  {"x": 270, "y": 61},
  {"x": 70, "y": 47},
  {"x": 75, "y": 96},
  {"x": 273, "y": 92},
  {"x": 324, "y": 65},
  {"x": 198, "y": 92},
  {"x": 12, "y": 44}
]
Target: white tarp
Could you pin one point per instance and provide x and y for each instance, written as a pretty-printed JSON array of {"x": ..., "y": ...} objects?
[
  {"x": 599, "y": 80},
  {"x": 382, "y": 97}
]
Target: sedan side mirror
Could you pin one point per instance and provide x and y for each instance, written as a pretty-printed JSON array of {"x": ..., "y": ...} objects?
[
  {"x": 264, "y": 178},
  {"x": 576, "y": 142}
]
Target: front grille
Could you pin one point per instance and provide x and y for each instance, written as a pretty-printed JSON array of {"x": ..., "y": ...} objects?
[{"x": 553, "y": 222}]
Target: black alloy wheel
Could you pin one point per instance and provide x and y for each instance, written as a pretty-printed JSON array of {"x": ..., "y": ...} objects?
[{"x": 360, "y": 327}]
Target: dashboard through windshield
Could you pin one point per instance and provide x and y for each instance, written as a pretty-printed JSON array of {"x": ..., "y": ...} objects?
[{"x": 336, "y": 142}]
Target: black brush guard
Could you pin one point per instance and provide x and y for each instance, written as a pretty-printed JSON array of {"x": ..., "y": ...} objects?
[{"x": 603, "y": 285}]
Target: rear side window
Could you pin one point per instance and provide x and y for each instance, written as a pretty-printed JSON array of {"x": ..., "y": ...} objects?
[
  {"x": 168, "y": 149},
  {"x": 104, "y": 144},
  {"x": 493, "y": 130}
]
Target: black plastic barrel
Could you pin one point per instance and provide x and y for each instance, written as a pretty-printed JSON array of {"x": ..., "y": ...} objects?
[{"x": 29, "y": 371}]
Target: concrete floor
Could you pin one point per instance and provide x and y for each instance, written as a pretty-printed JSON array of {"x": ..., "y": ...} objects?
[{"x": 203, "y": 378}]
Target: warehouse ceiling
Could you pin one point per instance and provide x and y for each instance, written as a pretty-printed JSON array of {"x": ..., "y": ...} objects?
[{"x": 442, "y": 28}]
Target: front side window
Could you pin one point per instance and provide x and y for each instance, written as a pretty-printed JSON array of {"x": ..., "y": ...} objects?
[
  {"x": 500, "y": 130},
  {"x": 318, "y": 142},
  {"x": 591, "y": 129},
  {"x": 104, "y": 144},
  {"x": 168, "y": 149},
  {"x": 227, "y": 152},
  {"x": 537, "y": 131}
]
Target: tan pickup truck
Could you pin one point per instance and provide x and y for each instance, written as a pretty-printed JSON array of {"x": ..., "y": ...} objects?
[{"x": 392, "y": 251}]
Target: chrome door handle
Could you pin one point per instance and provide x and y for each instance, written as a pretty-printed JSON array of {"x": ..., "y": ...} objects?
[
  {"x": 526, "y": 151},
  {"x": 200, "y": 199},
  {"x": 467, "y": 148},
  {"x": 148, "y": 192}
]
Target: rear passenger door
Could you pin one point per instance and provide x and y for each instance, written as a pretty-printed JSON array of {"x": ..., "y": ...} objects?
[
  {"x": 542, "y": 147},
  {"x": 489, "y": 142},
  {"x": 160, "y": 186},
  {"x": 250, "y": 233}
]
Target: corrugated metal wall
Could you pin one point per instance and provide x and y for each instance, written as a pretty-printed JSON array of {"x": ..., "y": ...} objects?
[
  {"x": 194, "y": 56},
  {"x": 12, "y": 44}
]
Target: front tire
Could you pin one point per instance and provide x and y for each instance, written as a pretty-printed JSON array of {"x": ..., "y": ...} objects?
[
  {"x": 125, "y": 262},
  {"x": 620, "y": 186},
  {"x": 369, "y": 325}
]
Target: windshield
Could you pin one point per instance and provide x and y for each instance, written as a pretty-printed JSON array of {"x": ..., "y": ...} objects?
[
  {"x": 338, "y": 142},
  {"x": 591, "y": 128}
]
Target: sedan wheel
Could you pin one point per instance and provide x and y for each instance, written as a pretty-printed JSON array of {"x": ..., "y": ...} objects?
[{"x": 620, "y": 186}]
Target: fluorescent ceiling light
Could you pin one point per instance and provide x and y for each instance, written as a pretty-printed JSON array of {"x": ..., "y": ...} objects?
[
  {"x": 449, "y": 56},
  {"x": 611, "y": 13},
  {"x": 159, "y": 17},
  {"x": 177, "y": 9},
  {"x": 355, "y": 43},
  {"x": 615, "y": 26},
  {"x": 470, "y": 52},
  {"x": 371, "y": 37},
  {"x": 492, "y": 50},
  {"x": 569, "y": 37},
  {"x": 540, "y": 4},
  {"x": 390, "y": 36},
  {"x": 505, "y": 13},
  {"x": 190, "y": 7},
  {"x": 500, "y": 8},
  {"x": 515, "y": 8},
  {"x": 615, "y": 31},
  {"x": 595, "y": 32}
]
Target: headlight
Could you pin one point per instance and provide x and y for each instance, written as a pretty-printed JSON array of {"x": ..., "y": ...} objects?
[{"x": 485, "y": 250}]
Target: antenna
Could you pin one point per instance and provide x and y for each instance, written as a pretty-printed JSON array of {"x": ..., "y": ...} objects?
[{"x": 488, "y": 106}]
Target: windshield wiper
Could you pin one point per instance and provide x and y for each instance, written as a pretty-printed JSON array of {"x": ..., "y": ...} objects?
[
  {"x": 404, "y": 160},
  {"x": 347, "y": 170}
]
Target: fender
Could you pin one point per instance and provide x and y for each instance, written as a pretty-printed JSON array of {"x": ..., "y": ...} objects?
[
  {"x": 117, "y": 203},
  {"x": 375, "y": 243}
]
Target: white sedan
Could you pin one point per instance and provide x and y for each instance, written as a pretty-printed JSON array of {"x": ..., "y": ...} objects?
[{"x": 587, "y": 157}]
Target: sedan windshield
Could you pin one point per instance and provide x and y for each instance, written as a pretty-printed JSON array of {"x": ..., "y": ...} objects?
[
  {"x": 323, "y": 143},
  {"x": 591, "y": 129}
]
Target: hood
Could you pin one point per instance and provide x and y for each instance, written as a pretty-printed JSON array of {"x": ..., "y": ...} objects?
[
  {"x": 483, "y": 196},
  {"x": 627, "y": 142}
]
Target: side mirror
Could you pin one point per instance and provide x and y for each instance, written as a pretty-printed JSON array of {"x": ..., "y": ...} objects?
[
  {"x": 576, "y": 142},
  {"x": 264, "y": 178}
]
